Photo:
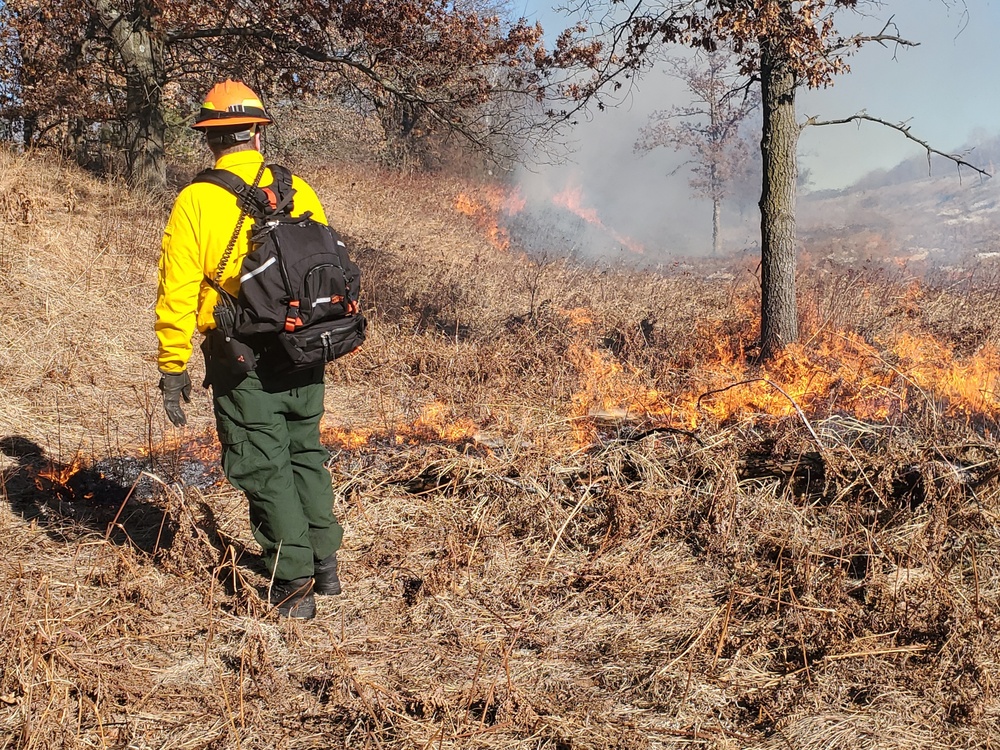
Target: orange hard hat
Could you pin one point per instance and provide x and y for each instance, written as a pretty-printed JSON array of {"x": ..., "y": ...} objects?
[{"x": 231, "y": 103}]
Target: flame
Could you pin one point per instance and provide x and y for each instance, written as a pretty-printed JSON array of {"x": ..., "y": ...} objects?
[
  {"x": 56, "y": 478},
  {"x": 512, "y": 202},
  {"x": 433, "y": 421},
  {"x": 966, "y": 387},
  {"x": 204, "y": 445},
  {"x": 485, "y": 210},
  {"x": 346, "y": 439},
  {"x": 838, "y": 373},
  {"x": 571, "y": 198},
  {"x": 465, "y": 205},
  {"x": 488, "y": 204},
  {"x": 433, "y": 424},
  {"x": 578, "y": 316}
]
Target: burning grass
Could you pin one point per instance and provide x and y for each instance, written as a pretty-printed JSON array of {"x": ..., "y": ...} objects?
[{"x": 577, "y": 515}]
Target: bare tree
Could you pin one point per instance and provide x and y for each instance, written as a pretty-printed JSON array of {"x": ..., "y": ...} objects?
[{"x": 709, "y": 128}]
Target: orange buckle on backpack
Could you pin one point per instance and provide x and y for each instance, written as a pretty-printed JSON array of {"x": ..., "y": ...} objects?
[
  {"x": 292, "y": 318},
  {"x": 272, "y": 199}
]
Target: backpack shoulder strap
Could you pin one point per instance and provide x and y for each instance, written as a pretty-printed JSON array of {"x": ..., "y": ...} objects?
[
  {"x": 249, "y": 197},
  {"x": 224, "y": 179},
  {"x": 244, "y": 199},
  {"x": 281, "y": 188}
]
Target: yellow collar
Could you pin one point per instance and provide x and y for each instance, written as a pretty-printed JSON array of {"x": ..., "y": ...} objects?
[{"x": 239, "y": 158}]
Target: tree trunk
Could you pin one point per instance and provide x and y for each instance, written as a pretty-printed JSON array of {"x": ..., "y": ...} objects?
[
  {"x": 399, "y": 120},
  {"x": 29, "y": 126},
  {"x": 716, "y": 225},
  {"x": 779, "y": 323},
  {"x": 146, "y": 130},
  {"x": 141, "y": 53},
  {"x": 717, "y": 189}
]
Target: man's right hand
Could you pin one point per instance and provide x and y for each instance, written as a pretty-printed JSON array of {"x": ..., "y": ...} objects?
[{"x": 174, "y": 385}]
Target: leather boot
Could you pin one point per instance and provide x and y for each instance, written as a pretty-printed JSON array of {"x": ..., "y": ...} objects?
[
  {"x": 327, "y": 582},
  {"x": 294, "y": 598}
]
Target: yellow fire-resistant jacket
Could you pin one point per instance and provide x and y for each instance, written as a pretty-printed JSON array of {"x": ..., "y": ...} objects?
[{"x": 201, "y": 224}]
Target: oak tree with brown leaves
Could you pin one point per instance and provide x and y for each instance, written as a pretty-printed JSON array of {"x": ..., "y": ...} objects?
[
  {"x": 782, "y": 44},
  {"x": 73, "y": 66}
]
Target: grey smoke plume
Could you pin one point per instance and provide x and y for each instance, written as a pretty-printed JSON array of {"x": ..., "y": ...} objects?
[
  {"x": 943, "y": 88},
  {"x": 642, "y": 197}
]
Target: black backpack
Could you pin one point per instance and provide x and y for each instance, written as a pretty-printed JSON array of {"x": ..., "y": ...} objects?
[{"x": 297, "y": 282}]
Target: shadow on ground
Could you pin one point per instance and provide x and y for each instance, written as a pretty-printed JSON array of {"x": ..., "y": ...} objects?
[
  {"x": 72, "y": 499},
  {"x": 124, "y": 501}
]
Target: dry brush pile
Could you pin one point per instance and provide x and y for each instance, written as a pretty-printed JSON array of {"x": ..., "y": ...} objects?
[{"x": 577, "y": 517}]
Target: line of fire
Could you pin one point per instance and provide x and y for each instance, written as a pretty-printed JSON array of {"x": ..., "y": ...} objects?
[{"x": 836, "y": 375}]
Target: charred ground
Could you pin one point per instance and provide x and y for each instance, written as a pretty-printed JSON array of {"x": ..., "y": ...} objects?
[{"x": 576, "y": 516}]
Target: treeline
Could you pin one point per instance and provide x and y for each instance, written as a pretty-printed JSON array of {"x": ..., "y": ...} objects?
[{"x": 108, "y": 81}]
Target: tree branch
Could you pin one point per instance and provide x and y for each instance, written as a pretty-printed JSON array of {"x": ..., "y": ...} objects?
[
  {"x": 347, "y": 58},
  {"x": 260, "y": 32},
  {"x": 880, "y": 38},
  {"x": 905, "y": 130}
]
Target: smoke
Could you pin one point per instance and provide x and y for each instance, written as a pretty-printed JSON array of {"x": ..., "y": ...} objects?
[
  {"x": 642, "y": 199},
  {"x": 937, "y": 88}
]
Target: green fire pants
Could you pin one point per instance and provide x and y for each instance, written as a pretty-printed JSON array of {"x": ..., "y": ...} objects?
[{"x": 271, "y": 451}]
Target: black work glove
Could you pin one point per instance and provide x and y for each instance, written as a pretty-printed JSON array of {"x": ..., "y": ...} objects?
[{"x": 174, "y": 385}]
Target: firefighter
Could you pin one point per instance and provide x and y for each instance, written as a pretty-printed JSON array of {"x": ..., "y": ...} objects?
[{"x": 268, "y": 421}]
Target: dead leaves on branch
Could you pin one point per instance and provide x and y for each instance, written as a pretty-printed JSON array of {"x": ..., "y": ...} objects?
[
  {"x": 800, "y": 34},
  {"x": 71, "y": 65}
]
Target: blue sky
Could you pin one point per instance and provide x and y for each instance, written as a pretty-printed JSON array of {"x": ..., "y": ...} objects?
[{"x": 948, "y": 88}]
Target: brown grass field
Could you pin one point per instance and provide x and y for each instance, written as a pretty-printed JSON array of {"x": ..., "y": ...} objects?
[{"x": 576, "y": 516}]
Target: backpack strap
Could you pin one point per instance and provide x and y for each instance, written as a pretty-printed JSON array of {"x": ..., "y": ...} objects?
[
  {"x": 219, "y": 177},
  {"x": 251, "y": 199},
  {"x": 277, "y": 198},
  {"x": 281, "y": 190}
]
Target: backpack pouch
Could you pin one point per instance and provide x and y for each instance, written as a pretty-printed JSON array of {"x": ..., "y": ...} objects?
[
  {"x": 315, "y": 271},
  {"x": 324, "y": 293},
  {"x": 323, "y": 342}
]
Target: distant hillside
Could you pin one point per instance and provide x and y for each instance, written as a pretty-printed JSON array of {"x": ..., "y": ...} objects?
[
  {"x": 904, "y": 213},
  {"x": 982, "y": 153}
]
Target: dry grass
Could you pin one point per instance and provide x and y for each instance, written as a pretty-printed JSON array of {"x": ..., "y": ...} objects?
[{"x": 780, "y": 580}]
